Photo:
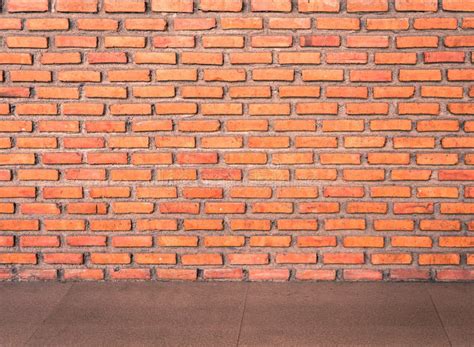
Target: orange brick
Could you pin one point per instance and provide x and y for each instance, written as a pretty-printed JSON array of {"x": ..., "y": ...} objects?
[
  {"x": 318, "y": 5},
  {"x": 152, "y": 24},
  {"x": 456, "y": 5},
  {"x": 315, "y": 275},
  {"x": 84, "y": 274},
  {"x": 296, "y": 258},
  {"x": 202, "y": 58},
  {"x": 221, "y": 5},
  {"x": 269, "y": 274},
  {"x": 367, "y": 6},
  {"x": 124, "y": 6},
  {"x": 316, "y": 241},
  {"x": 271, "y": 5},
  {"x": 362, "y": 275},
  {"x": 155, "y": 258},
  {"x": 230, "y": 23},
  {"x": 391, "y": 258},
  {"x": 435, "y": 23},
  {"x": 47, "y": 24},
  {"x": 110, "y": 258},
  {"x": 394, "y": 24},
  {"x": 201, "y": 259},
  {"x": 289, "y": 23},
  {"x": 320, "y": 41},
  {"x": 416, "y": 5},
  {"x": 270, "y": 241},
  {"x": 248, "y": 258},
  {"x": 81, "y": 6},
  {"x": 172, "y": 5},
  {"x": 63, "y": 258},
  {"x": 177, "y": 274},
  {"x": 363, "y": 241},
  {"x": 18, "y": 258},
  {"x": 174, "y": 42},
  {"x": 223, "y": 274},
  {"x": 343, "y": 258},
  {"x": 27, "y": 6},
  {"x": 439, "y": 259}
]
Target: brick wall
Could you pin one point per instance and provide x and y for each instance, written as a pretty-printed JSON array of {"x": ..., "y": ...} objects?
[{"x": 236, "y": 139}]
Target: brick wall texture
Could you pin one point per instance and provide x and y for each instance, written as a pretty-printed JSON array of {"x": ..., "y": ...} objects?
[{"x": 237, "y": 140}]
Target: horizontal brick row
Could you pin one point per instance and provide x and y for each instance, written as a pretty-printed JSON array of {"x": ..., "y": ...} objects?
[
  {"x": 256, "y": 274},
  {"x": 231, "y": 42},
  {"x": 188, "y": 6},
  {"x": 219, "y": 241}
]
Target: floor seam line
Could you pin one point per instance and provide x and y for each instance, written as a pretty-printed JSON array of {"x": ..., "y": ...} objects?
[
  {"x": 243, "y": 314},
  {"x": 47, "y": 316},
  {"x": 439, "y": 317}
]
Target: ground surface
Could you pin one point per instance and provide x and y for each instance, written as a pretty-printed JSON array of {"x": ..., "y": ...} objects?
[{"x": 231, "y": 314}]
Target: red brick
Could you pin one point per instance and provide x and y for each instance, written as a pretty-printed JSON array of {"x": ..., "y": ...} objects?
[
  {"x": 454, "y": 275},
  {"x": 269, "y": 274},
  {"x": 362, "y": 275},
  {"x": 223, "y": 274},
  {"x": 255, "y": 224},
  {"x": 391, "y": 258},
  {"x": 320, "y": 41},
  {"x": 409, "y": 274},
  {"x": 177, "y": 274},
  {"x": 63, "y": 258},
  {"x": 34, "y": 274},
  {"x": 315, "y": 275},
  {"x": 84, "y": 274},
  {"x": 130, "y": 274}
]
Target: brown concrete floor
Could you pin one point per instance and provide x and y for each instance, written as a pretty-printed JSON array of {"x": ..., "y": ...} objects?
[{"x": 236, "y": 314}]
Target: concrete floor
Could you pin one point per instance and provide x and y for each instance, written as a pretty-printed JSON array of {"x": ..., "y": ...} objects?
[{"x": 236, "y": 314}]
